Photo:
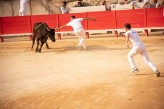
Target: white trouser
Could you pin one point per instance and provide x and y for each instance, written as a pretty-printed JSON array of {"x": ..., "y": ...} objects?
[
  {"x": 142, "y": 50},
  {"x": 81, "y": 35},
  {"x": 22, "y": 12}
]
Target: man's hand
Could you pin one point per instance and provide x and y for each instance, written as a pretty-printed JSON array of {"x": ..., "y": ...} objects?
[{"x": 58, "y": 28}]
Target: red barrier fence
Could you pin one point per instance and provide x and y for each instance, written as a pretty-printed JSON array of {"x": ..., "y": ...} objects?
[
  {"x": 139, "y": 18},
  {"x": 16, "y": 25},
  {"x": 0, "y": 26},
  {"x": 155, "y": 17},
  {"x": 104, "y": 20},
  {"x": 51, "y": 20}
]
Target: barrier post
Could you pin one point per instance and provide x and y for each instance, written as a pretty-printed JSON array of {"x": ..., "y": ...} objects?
[
  {"x": 87, "y": 35},
  {"x": 115, "y": 19},
  {"x": 59, "y": 36},
  {"x": 116, "y": 33},
  {"x": 2, "y": 39},
  {"x": 30, "y": 37},
  {"x": 132, "y": 6},
  {"x": 146, "y": 32}
]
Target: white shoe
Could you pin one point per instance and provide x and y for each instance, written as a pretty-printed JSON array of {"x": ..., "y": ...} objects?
[
  {"x": 135, "y": 70},
  {"x": 157, "y": 73}
]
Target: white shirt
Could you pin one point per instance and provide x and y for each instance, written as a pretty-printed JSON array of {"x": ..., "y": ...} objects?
[
  {"x": 65, "y": 10},
  {"x": 134, "y": 37},
  {"x": 76, "y": 24},
  {"x": 145, "y": 1},
  {"x": 23, "y": 5}
]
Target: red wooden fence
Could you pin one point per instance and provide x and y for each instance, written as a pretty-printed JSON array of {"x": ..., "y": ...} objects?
[
  {"x": 139, "y": 18},
  {"x": 155, "y": 17},
  {"x": 51, "y": 20},
  {"x": 0, "y": 26},
  {"x": 104, "y": 20},
  {"x": 16, "y": 25}
]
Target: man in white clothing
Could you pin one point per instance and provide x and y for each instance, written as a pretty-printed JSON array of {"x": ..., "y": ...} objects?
[
  {"x": 64, "y": 8},
  {"x": 138, "y": 48},
  {"x": 79, "y": 31},
  {"x": 22, "y": 10}
]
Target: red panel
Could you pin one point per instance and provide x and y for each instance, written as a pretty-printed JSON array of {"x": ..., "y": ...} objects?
[
  {"x": 104, "y": 20},
  {"x": 65, "y": 18},
  {"x": 155, "y": 17},
  {"x": 51, "y": 20},
  {"x": 137, "y": 18},
  {"x": 0, "y": 26},
  {"x": 16, "y": 25}
]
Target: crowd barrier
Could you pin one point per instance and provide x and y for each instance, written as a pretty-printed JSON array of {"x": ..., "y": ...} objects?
[
  {"x": 136, "y": 17},
  {"x": 155, "y": 17},
  {"x": 106, "y": 20},
  {"x": 15, "y": 25},
  {"x": 51, "y": 20},
  {"x": 0, "y": 26}
]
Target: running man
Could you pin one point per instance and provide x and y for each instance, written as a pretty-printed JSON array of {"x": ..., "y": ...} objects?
[
  {"x": 79, "y": 31},
  {"x": 138, "y": 47}
]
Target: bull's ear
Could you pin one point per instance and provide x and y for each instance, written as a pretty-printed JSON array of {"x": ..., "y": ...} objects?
[{"x": 48, "y": 29}]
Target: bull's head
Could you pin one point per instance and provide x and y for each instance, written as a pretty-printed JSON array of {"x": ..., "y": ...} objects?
[{"x": 51, "y": 34}]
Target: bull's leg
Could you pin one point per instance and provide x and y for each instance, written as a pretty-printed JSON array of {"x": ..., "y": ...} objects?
[
  {"x": 33, "y": 42},
  {"x": 42, "y": 42},
  {"x": 47, "y": 45},
  {"x": 41, "y": 47},
  {"x": 37, "y": 45}
]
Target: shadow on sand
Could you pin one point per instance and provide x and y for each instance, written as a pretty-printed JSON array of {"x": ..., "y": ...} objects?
[
  {"x": 90, "y": 48},
  {"x": 143, "y": 74}
]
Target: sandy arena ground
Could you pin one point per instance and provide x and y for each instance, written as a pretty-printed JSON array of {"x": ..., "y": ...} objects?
[{"x": 64, "y": 78}]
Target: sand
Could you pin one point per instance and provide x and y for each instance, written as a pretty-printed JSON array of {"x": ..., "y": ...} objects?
[{"x": 64, "y": 78}]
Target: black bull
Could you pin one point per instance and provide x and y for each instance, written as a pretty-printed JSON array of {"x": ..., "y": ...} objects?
[{"x": 41, "y": 32}]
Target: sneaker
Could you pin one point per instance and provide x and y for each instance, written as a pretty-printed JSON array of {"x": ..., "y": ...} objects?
[
  {"x": 135, "y": 70},
  {"x": 157, "y": 73}
]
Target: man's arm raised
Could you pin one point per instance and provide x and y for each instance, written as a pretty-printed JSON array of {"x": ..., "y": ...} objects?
[{"x": 58, "y": 28}]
